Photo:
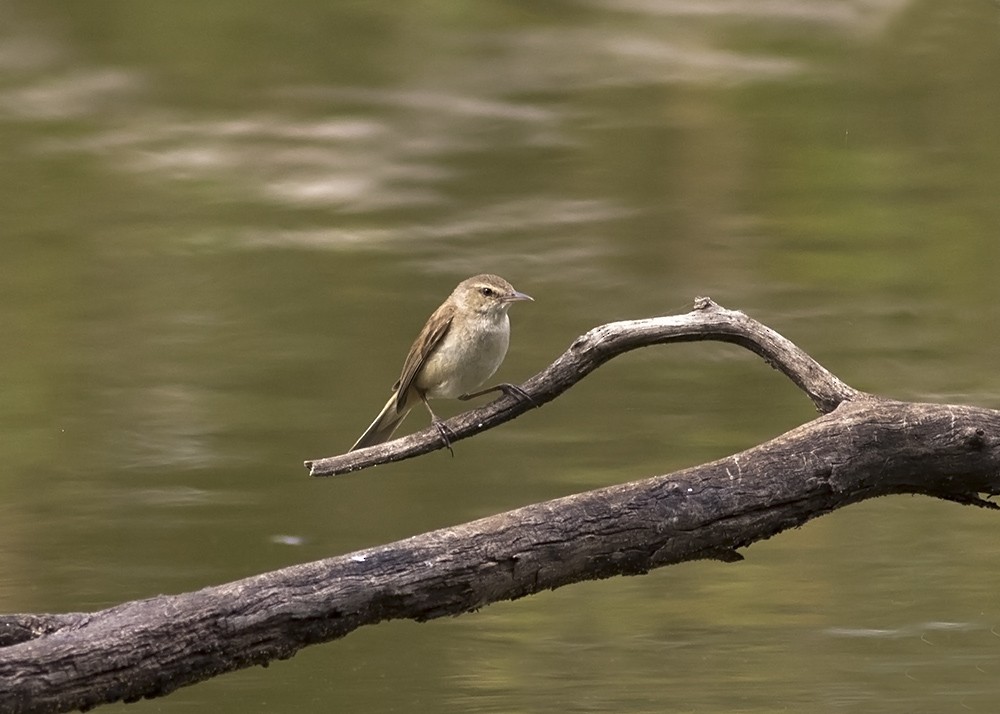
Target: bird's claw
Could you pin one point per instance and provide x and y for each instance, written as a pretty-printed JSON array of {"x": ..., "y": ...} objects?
[
  {"x": 445, "y": 433},
  {"x": 515, "y": 392},
  {"x": 508, "y": 389}
]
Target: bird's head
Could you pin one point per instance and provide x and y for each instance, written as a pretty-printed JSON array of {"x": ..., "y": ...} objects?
[{"x": 487, "y": 294}]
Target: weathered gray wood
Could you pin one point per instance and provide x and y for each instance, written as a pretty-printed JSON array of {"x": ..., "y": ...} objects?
[{"x": 863, "y": 447}]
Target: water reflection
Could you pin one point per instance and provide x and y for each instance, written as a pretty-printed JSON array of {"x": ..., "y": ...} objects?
[{"x": 217, "y": 245}]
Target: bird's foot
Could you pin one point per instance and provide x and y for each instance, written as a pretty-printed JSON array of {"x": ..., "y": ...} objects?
[
  {"x": 445, "y": 433},
  {"x": 515, "y": 392},
  {"x": 509, "y": 390}
]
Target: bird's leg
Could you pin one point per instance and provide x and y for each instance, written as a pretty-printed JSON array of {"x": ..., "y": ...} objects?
[
  {"x": 443, "y": 431},
  {"x": 509, "y": 390}
]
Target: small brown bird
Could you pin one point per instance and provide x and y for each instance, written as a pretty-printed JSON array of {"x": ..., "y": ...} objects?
[{"x": 460, "y": 347}]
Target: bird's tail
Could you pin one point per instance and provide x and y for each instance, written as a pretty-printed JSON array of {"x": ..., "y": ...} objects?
[{"x": 385, "y": 424}]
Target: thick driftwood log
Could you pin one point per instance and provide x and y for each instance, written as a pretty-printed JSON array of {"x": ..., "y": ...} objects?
[{"x": 863, "y": 447}]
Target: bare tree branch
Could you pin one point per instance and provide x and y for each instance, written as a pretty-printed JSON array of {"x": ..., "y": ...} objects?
[{"x": 707, "y": 321}]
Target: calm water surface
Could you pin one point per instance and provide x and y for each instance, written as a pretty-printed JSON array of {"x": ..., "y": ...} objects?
[{"x": 224, "y": 224}]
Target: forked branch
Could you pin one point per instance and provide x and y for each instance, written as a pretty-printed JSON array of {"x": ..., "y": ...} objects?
[{"x": 861, "y": 447}]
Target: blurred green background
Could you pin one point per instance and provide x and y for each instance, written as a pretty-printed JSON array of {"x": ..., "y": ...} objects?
[{"x": 223, "y": 224}]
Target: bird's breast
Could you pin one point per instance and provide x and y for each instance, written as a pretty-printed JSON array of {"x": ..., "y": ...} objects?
[{"x": 469, "y": 354}]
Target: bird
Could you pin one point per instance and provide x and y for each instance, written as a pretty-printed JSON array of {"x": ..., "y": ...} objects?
[{"x": 459, "y": 348}]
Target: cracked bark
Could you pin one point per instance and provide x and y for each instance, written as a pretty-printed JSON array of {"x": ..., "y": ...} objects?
[{"x": 860, "y": 447}]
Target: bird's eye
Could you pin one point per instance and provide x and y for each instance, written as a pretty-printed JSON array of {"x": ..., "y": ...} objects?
[{"x": 486, "y": 291}]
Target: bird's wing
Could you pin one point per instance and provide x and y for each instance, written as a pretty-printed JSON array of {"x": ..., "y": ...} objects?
[{"x": 430, "y": 337}]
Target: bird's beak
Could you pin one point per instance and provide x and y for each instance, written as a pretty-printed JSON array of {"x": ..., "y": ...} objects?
[{"x": 516, "y": 295}]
